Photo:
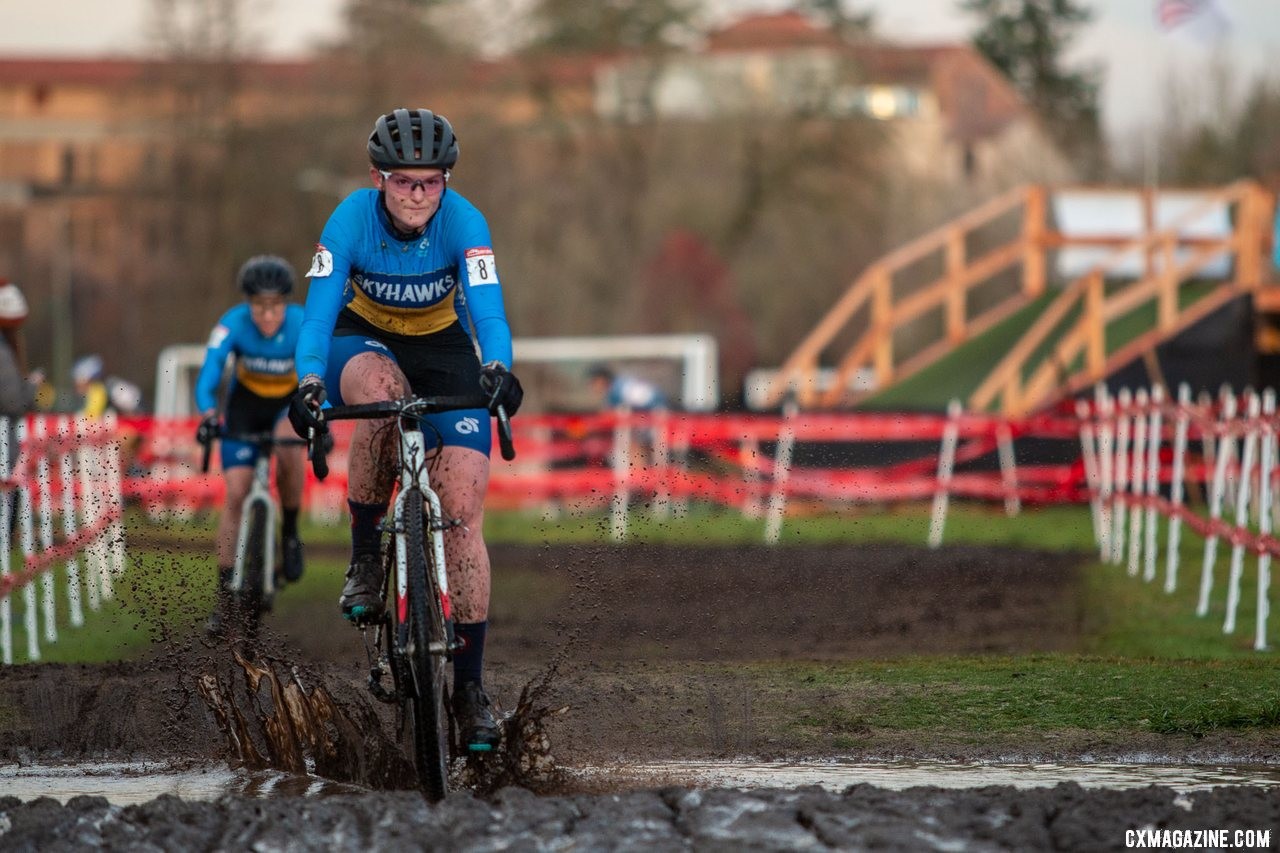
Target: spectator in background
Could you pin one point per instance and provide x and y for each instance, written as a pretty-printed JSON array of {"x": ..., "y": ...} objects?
[
  {"x": 86, "y": 373},
  {"x": 17, "y": 396},
  {"x": 617, "y": 390},
  {"x": 46, "y": 396},
  {"x": 620, "y": 391}
]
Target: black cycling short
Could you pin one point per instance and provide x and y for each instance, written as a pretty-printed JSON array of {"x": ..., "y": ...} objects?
[
  {"x": 248, "y": 412},
  {"x": 443, "y": 364}
]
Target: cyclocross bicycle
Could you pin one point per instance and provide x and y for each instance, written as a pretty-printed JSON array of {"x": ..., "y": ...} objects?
[
  {"x": 413, "y": 641},
  {"x": 253, "y": 584}
]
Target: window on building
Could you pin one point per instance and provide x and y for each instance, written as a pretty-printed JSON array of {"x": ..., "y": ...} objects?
[{"x": 876, "y": 101}]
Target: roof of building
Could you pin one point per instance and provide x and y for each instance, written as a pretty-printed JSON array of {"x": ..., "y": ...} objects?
[
  {"x": 770, "y": 32},
  {"x": 117, "y": 71},
  {"x": 974, "y": 97}
]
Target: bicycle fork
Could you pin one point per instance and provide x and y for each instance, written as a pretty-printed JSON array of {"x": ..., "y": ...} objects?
[{"x": 259, "y": 492}]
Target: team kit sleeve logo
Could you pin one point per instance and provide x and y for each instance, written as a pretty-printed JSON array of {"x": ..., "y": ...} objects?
[
  {"x": 321, "y": 263},
  {"x": 218, "y": 335},
  {"x": 481, "y": 268}
]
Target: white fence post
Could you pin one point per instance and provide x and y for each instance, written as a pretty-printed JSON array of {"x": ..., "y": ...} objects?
[
  {"x": 113, "y": 477},
  {"x": 946, "y": 467},
  {"x": 1155, "y": 440},
  {"x": 1216, "y": 495},
  {"x": 26, "y": 526},
  {"x": 660, "y": 461},
  {"x": 781, "y": 473},
  {"x": 44, "y": 507},
  {"x": 1008, "y": 469},
  {"x": 1124, "y": 418},
  {"x": 1266, "y": 494},
  {"x": 1177, "y": 484},
  {"x": 6, "y": 547},
  {"x": 68, "y": 437},
  {"x": 1234, "y": 579},
  {"x": 621, "y": 473},
  {"x": 1106, "y": 469},
  {"x": 1137, "y": 479}
]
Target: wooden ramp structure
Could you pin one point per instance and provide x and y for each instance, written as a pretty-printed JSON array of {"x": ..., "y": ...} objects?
[{"x": 918, "y": 305}]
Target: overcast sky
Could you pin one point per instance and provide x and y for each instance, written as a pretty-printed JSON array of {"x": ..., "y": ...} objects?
[{"x": 1138, "y": 58}]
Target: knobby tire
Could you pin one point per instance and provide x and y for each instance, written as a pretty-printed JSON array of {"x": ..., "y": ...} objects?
[
  {"x": 425, "y": 624},
  {"x": 256, "y": 564}
]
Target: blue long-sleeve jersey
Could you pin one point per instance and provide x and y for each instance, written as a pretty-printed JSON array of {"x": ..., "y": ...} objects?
[
  {"x": 410, "y": 288},
  {"x": 263, "y": 365}
]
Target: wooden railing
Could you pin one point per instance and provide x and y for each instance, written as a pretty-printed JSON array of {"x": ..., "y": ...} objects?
[
  {"x": 875, "y": 290},
  {"x": 1079, "y": 355},
  {"x": 873, "y": 301}
]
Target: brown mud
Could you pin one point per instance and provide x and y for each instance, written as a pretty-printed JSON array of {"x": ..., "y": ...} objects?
[{"x": 619, "y": 654}]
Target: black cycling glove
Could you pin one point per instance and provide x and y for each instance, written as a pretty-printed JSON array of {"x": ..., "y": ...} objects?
[
  {"x": 208, "y": 430},
  {"x": 304, "y": 408},
  {"x": 502, "y": 387}
]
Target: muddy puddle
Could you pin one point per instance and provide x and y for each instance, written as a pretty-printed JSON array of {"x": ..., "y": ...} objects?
[
  {"x": 901, "y": 775},
  {"x": 130, "y": 783}
]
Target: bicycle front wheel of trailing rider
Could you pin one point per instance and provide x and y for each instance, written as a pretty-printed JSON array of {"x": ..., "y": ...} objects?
[
  {"x": 426, "y": 641},
  {"x": 256, "y": 564}
]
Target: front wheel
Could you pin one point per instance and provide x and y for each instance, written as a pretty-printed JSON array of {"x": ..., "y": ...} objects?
[
  {"x": 424, "y": 627},
  {"x": 256, "y": 564}
]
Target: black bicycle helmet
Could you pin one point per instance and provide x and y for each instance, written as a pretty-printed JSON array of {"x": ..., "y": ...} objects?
[
  {"x": 413, "y": 138},
  {"x": 266, "y": 274}
]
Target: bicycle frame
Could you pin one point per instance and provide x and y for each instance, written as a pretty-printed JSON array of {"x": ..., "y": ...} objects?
[{"x": 259, "y": 493}]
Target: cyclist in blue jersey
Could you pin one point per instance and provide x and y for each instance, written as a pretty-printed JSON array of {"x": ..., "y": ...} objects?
[
  {"x": 403, "y": 291},
  {"x": 261, "y": 335}
]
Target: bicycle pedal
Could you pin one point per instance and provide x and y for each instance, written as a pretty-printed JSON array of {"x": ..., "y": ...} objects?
[{"x": 362, "y": 617}]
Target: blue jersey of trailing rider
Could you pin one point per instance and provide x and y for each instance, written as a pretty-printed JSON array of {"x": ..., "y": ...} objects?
[
  {"x": 262, "y": 365},
  {"x": 411, "y": 288}
]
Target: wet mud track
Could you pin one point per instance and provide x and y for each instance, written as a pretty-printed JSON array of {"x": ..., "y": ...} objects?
[
  {"x": 640, "y": 645},
  {"x": 1063, "y": 818}
]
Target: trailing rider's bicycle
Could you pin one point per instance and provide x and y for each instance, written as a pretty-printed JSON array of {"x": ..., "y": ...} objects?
[
  {"x": 252, "y": 587},
  {"x": 413, "y": 640}
]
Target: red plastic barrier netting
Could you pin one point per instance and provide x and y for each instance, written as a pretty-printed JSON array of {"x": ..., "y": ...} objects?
[{"x": 568, "y": 456}]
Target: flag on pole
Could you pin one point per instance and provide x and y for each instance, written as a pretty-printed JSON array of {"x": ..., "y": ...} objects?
[{"x": 1206, "y": 20}]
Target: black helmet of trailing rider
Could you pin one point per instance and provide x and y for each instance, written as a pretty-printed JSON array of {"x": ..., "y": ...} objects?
[{"x": 266, "y": 274}]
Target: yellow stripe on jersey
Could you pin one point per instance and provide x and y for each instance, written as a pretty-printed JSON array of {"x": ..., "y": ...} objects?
[
  {"x": 424, "y": 320},
  {"x": 266, "y": 384}
]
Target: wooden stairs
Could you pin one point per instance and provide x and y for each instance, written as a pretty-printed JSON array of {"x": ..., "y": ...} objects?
[{"x": 924, "y": 302}]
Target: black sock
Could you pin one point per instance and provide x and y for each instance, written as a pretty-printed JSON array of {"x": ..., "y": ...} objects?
[
  {"x": 224, "y": 578},
  {"x": 366, "y": 538},
  {"x": 468, "y": 661},
  {"x": 289, "y": 523}
]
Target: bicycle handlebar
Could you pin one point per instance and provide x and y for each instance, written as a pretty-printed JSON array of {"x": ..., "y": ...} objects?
[{"x": 407, "y": 406}]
